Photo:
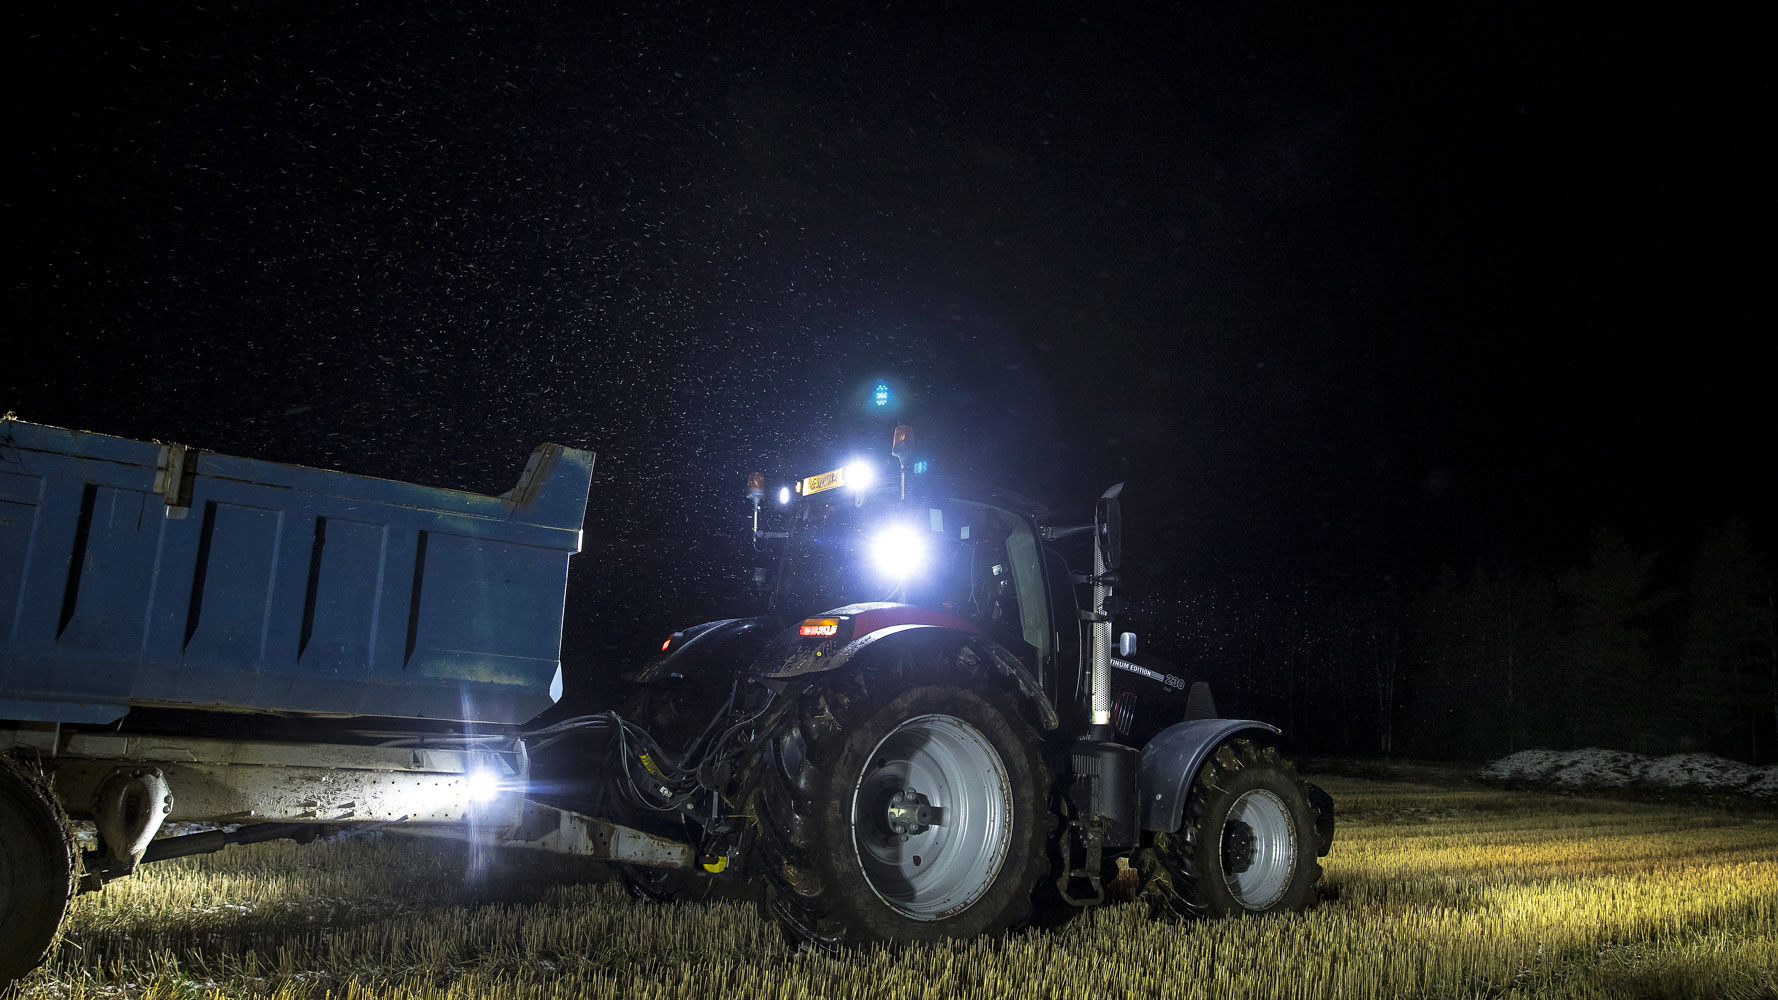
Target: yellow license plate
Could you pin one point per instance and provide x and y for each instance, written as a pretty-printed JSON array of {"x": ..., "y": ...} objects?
[{"x": 825, "y": 481}]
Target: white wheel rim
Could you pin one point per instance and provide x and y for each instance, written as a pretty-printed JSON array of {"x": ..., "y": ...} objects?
[
  {"x": 1262, "y": 882},
  {"x": 945, "y": 868}
]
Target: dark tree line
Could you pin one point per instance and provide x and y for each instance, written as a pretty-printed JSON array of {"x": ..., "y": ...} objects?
[{"x": 1650, "y": 652}]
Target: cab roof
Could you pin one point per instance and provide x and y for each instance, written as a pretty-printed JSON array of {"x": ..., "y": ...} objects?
[{"x": 970, "y": 490}]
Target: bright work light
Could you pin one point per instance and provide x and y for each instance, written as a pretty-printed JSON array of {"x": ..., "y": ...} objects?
[
  {"x": 898, "y": 551},
  {"x": 783, "y": 495},
  {"x": 484, "y": 786},
  {"x": 860, "y": 475}
]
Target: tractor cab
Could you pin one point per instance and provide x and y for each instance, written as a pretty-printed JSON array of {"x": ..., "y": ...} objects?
[
  {"x": 983, "y": 559},
  {"x": 945, "y": 547}
]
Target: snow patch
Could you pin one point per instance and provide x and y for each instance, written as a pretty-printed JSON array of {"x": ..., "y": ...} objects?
[{"x": 1592, "y": 769}]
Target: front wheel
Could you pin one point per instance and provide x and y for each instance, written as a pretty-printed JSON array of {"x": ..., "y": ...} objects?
[
  {"x": 1248, "y": 842},
  {"x": 921, "y": 816}
]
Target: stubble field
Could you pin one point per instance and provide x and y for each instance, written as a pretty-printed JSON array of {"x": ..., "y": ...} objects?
[{"x": 1434, "y": 891}]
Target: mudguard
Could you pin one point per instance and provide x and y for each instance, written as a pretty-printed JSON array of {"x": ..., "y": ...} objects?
[
  {"x": 1171, "y": 760},
  {"x": 789, "y": 655},
  {"x": 694, "y": 651},
  {"x": 1324, "y": 818}
]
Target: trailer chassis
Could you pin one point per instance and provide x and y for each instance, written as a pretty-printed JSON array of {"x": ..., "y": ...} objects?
[{"x": 131, "y": 785}]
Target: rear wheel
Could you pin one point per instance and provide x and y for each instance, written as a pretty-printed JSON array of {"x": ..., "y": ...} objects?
[
  {"x": 1248, "y": 842},
  {"x": 919, "y": 815},
  {"x": 37, "y": 870}
]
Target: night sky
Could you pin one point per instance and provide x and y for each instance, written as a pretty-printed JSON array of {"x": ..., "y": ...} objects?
[{"x": 1340, "y": 292}]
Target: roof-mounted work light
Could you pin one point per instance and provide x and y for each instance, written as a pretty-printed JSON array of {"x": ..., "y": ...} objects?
[{"x": 860, "y": 474}]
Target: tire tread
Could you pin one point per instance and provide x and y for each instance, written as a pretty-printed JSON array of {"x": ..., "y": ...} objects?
[
  {"x": 23, "y": 949},
  {"x": 785, "y": 800}
]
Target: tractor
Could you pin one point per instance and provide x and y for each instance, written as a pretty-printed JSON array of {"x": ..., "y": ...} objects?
[{"x": 931, "y": 732}]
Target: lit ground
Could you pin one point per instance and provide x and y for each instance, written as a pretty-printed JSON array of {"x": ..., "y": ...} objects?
[{"x": 1437, "y": 892}]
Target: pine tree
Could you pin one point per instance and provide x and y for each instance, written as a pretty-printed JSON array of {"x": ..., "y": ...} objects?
[
  {"x": 1608, "y": 677},
  {"x": 1722, "y": 684}
]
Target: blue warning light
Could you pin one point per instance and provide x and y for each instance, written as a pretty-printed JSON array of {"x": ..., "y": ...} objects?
[
  {"x": 881, "y": 395},
  {"x": 920, "y": 466}
]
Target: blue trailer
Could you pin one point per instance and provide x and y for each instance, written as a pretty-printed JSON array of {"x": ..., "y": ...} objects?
[
  {"x": 136, "y": 574},
  {"x": 414, "y": 629}
]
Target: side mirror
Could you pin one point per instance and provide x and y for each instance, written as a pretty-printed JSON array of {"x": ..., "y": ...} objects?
[{"x": 1108, "y": 525}]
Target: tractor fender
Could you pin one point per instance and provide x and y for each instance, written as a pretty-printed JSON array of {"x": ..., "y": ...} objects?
[
  {"x": 787, "y": 658},
  {"x": 701, "y": 649},
  {"x": 1171, "y": 760},
  {"x": 1008, "y": 665}
]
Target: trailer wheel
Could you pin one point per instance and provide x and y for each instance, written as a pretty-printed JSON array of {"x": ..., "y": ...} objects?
[
  {"x": 37, "y": 871},
  {"x": 913, "y": 817},
  {"x": 1248, "y": 842}
]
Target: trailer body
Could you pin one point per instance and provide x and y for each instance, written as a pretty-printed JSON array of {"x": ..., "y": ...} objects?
[
  {"x": 140, "y": 574},
  {"x": 272, "y": 651}
]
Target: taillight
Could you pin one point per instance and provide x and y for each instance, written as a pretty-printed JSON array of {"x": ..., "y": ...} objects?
[
  {"x": 664, "y": 645},
  {"x": 819, "y": 628}
]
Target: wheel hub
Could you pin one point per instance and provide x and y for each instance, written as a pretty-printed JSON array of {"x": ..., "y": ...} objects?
[
  {"x": 909, "y": 813},
  {"x": 1237, "y": 847}
]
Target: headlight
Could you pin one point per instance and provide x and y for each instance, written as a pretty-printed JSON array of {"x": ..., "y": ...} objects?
[{"x": 898, "y": 551}]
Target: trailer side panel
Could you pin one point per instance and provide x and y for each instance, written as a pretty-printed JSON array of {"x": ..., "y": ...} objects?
[{"x": 134, "y": 573}]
